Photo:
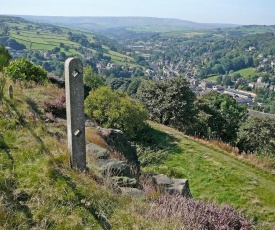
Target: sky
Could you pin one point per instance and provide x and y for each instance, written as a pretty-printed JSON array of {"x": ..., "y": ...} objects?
[{"x": 244, "y": 12}]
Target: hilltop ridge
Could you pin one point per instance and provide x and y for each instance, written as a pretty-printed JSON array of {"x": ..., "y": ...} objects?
[{"x": 105, "y": 23}]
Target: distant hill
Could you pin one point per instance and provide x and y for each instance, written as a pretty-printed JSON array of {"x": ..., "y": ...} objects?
[
  {"x": 149, "y": 23},
  {"x": 49, "y": 45}
]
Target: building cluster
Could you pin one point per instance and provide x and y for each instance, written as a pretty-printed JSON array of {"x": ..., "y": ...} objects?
[{"x": 204, "y": 87}]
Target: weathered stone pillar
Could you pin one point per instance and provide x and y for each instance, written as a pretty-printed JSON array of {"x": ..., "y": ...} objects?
[
  {"x": 10, "y": 91},
  {"x": 75, "y": 112}
]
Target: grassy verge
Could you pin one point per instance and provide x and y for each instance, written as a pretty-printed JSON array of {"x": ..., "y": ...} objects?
[{"x": 216, "y": 175}]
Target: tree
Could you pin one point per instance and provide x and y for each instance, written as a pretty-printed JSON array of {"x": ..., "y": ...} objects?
[
  {"x": 91, "y": 79},
  {"x": 219, "y": 116},
  {"x": 113, "y": 109},
  {"x": 219, "y": 79},
  {"x": 218, "y": 69},
  {"x": 169, "y": 102},
  {"x": 133, "y": 86},
  {"x": 120, "y": 84},
  {"x": 25, "y": 71},
  {"x": 257, "y": 134},
  {"x": 56, "y": 50},
  {"x": 5, "y": 57},
  {"x": 236, "y": 76},
  {"x": 226, "y": 80}
]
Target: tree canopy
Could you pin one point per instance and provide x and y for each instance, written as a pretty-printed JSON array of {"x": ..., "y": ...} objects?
[
  {"x": 91, "y": 79},
  {"x": 5, "y": 57},
  {"x": 257, "y": 134},
  {"x": 113, "y": 109},
  {"x": 25, "y": 71},
  {"x": 218, "y": 116},
  {"x": 169, "y": 102}
]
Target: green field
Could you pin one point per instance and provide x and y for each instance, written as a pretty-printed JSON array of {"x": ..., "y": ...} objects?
[
  {"x": 216, "y": 175},
  {"x": 44, "y": 39},
  {"x": 243, "y": 72},
  {"x": 212, "y": 78},
  {"x": 246, "y": 72}
]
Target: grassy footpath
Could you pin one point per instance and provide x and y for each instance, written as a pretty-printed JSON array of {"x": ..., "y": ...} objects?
[{"x": 219, "y": 176}]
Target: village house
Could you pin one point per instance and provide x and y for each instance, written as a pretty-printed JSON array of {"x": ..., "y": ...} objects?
[
  {"x": 111, "y": 66},
  {"x": 236, "y": 93},
  {"x": 259, "y": 84},
  {"x": 241, "y": 97},
  {"x": 218, "y": 88},
  {"x": 207, "y": 84}
]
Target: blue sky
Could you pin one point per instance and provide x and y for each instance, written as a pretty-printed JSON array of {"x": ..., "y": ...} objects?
[{"x": 208, "y": 11}]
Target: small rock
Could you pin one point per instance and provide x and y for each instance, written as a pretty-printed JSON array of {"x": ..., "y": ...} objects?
[
  {"x": 165, "y": 184},
  {"x": 134, "y": 192},
  {"x": 113, "y": 167},
  {"x": 96, "y": 152},
  {"x": 162, "y": 179},
  {"x": 125, "y": 181}
]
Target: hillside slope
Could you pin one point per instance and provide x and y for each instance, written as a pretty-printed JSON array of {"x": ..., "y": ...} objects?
[
  {"x": 219, "y": 176},
  {"x": 39, "y": 190},
  {"x": 50, "y": 40}
]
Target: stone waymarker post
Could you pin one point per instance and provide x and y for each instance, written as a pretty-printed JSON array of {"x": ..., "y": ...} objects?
[
  {"x": 75, "y": 112},
  {"x": 10, "y": 91}
]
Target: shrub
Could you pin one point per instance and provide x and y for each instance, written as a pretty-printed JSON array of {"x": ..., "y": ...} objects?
[
  {"x": 56, "y": 107},
  {"x": 112, "y": 109},
  {"x": 5, "y": 57},
  {"x": 25, "y": 71},
  {"x": 190, "y": 214}
]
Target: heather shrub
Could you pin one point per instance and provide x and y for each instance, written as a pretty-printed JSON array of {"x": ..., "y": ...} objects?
[
  {"x": 191, "y": 214},
  {"x": 57, "y": 107}
]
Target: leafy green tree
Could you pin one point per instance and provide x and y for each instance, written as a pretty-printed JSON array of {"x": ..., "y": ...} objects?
[
  {"x": 265, "y": 78},
  {"x": 56, "y": 50},
  {"x": 218, "y": 69},
  {"x": 25, "y": 71},
  {"x": 219, "y": 116},
  {"x": 219, "y": 79},
  {"x": 118, "y": 83},
  {"x": 5, "y": 57},
  {"x": 257, "y": 134},
  {"x": 133, "y": 86},
  {"x": 91, "y": 79},
  {"x": 169, "y": 102},
  {"x": 236, "y": 76},
  {"x": 113, "y": 109},
  {"x": 226, "y": 80}
]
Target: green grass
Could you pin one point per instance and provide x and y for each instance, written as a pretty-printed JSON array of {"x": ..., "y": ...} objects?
[
  {"x": 219, "y": 176},
  {"x": 38, "y": 189},
  {"x": 246, "y": 72},
  {"x": 212, "y": 78},
  {"x": 45, "y": 40},
  {"x": 243, "y": 72}
]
